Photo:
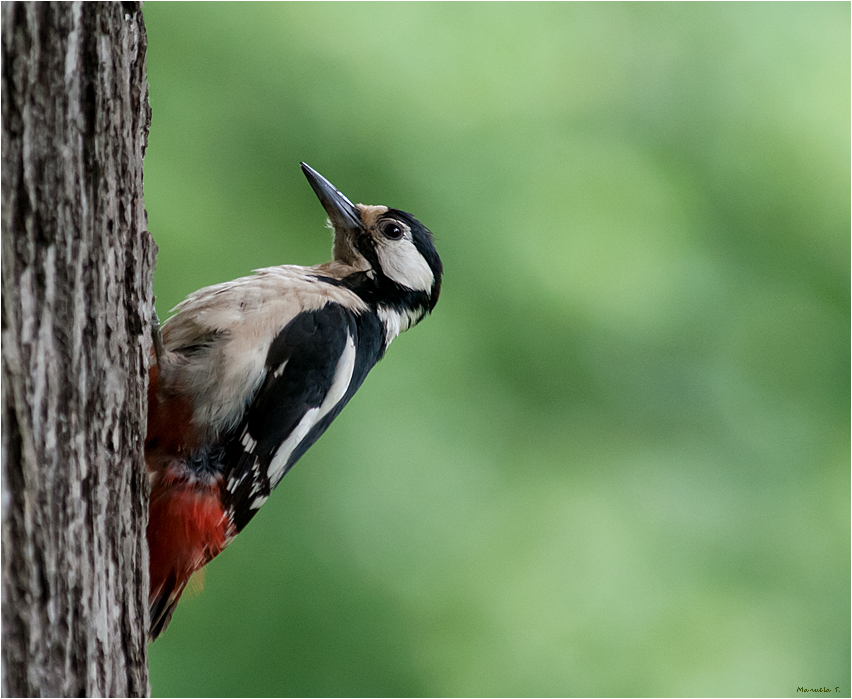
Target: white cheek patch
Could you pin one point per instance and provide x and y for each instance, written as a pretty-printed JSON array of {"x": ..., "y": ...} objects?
[
  {"x": 339, "y": 385},
  {"x": 403, "y": 263}
]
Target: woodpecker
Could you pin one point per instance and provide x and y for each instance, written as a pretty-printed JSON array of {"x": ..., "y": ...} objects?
[{"x": 250, "y": 373}]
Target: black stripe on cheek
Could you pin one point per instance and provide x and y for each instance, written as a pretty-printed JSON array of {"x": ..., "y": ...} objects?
[{"x": 367, "y": 248}]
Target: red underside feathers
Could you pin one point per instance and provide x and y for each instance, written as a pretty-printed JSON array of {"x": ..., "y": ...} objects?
[{"x": 187, "y": 526}]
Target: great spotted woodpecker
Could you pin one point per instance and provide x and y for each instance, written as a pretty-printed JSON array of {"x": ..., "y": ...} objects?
[{"x": 250, "y": 373}]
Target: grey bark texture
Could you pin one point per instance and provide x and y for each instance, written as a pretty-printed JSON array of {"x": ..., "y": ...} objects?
[{"x": 77, "y": 302}]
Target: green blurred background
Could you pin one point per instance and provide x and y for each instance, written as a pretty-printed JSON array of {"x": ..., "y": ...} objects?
[{"x": 615, "y": 461}]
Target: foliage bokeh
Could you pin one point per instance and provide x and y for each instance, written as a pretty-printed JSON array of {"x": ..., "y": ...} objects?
[{"x": 615, "y": 461}]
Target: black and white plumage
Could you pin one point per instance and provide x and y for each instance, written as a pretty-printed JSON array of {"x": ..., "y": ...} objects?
[{"x": 251, "y": 373}]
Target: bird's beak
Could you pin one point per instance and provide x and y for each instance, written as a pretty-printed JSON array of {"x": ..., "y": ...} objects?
[{"x": 342, "y": 212}]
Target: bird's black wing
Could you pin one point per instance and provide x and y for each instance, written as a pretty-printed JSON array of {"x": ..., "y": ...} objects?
[{"x": 313, "y": 368}]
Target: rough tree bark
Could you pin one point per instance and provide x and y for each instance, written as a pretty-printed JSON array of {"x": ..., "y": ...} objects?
[{"x": 76, "y": 306}]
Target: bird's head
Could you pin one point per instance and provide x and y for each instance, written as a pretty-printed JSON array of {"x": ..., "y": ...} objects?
[{"x": 389, "y": 247}]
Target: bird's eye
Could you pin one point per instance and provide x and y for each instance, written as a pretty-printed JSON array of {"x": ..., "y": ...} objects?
[{"x": 392, "y": 230}]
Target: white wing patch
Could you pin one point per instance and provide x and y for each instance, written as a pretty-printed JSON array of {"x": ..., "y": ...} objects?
[
  {"x": 279, "y": 461},
  {"x": 248, "y": 442},
  {"x": 280, "y": 369},
  {"x": 234, "y": 482},
  {"x": 339, "y": 385}
]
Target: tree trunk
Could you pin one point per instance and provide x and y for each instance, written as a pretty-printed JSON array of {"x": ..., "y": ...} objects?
[{"x": 76, "y": 308}]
